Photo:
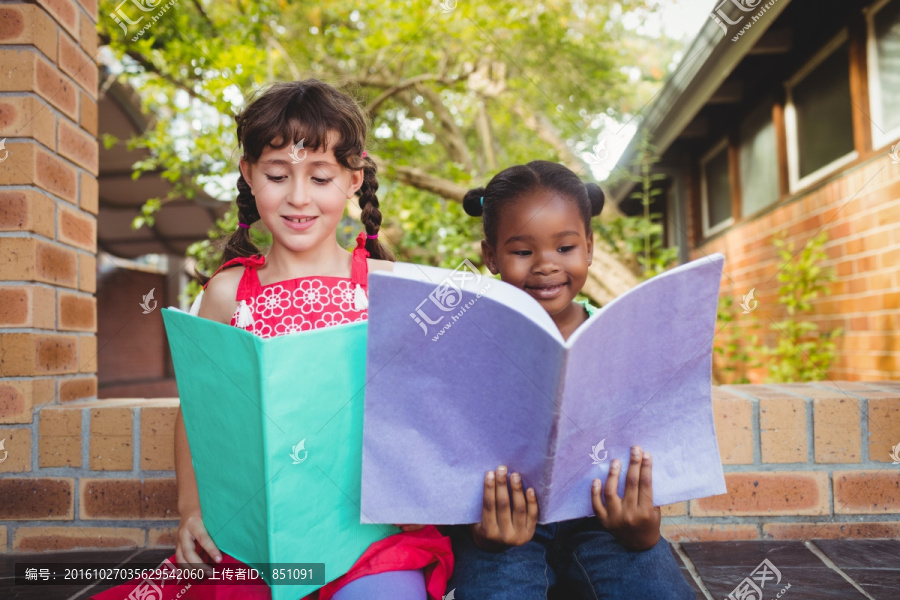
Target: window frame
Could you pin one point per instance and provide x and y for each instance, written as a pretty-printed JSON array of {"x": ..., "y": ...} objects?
[
  {"x": 797, "y": 183},
  {"x": 767, "y": 106},
  {"x": 879, "y": 138},
  {"x": 708, "y": 231}
]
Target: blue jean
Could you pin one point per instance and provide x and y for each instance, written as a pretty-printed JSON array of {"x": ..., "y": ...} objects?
[{"x": 580, "y": 554}]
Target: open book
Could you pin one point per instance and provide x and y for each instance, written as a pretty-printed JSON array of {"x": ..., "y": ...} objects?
[
  {"x": 275, "y": 430},
  {"x": 466, "y": 373}
]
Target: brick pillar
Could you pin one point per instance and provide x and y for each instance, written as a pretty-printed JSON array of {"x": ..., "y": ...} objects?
[{"x": 48, "y": 247}]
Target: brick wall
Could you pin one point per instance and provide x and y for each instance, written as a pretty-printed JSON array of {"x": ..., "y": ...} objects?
[
  {"x": 801, "y": 461},
  {"x": 859, "y": 209},
  {"x": 48, "y": 233}
]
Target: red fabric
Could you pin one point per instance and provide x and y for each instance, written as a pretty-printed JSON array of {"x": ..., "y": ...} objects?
[{"x": 278, "y": 309}]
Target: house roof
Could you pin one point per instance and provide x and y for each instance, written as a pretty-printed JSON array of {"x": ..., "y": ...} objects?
[
  {"x": 179, "y": 222},
  {"x": 711, "y": 57}
]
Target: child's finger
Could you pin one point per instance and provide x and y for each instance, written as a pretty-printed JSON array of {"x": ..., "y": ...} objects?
[
  {"x": 504, "y": 514},
  {"x": 519, "y": 505},
  {"x": 633, "y": 477},
  {"x": 488, "y": 509},
  {"x": 597, "y": 500},
  {"x": 531, "y": 498},
  {"x": 206, "y": 542},
  {"x": 186, "y": 549},
  {"x": 612, "y": 486},
  {"x": 646, "y": 495}
]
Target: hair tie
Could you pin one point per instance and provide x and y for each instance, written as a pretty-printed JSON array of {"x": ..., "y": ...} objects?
[
  {"x": 372, "y": 237},
  {"x": 482, "y": 202},
  {"x": 244, "y": 225},
  {"x": 365, "y": 154}
]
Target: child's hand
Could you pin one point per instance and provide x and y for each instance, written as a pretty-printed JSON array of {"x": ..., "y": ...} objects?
[
  {"x": 634, "y": 521},
  {"x": 503, "y": 526},
  {"x": 191, "y": 528},
  {"x": 410, "y": 527}
]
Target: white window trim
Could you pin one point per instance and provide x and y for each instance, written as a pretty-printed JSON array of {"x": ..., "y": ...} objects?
[
  {"x": 879, "y": 138},
  {"x": 790, "y": 121},
  {"x": 704, "y": 192}
]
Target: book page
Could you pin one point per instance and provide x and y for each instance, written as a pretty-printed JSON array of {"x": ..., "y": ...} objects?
[
  {"x": 451, "y": 394},
  {"x": 639, "y": 372}
]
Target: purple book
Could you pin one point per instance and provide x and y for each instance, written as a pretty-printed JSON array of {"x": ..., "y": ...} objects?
[{"x": 465, "y": 372}]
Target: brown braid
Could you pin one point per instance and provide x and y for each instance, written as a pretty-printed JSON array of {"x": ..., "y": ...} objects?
[{"x": 371, "y": 216}]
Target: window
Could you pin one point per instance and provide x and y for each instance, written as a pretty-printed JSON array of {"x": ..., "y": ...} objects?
[
  {"x": 818, "y": 115},
  {"x": 715, "y": 183},
  {"x": 884, "y": 71},
  {"x": 759, "y": 161}
]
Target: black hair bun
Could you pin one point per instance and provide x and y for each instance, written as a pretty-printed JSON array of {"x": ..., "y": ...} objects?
[
  {"x": 597, "y": 198},
  {"x": 472, "y": 202}
]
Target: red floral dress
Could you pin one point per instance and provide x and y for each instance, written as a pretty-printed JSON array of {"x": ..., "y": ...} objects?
[{"x": 288, "y": 307}]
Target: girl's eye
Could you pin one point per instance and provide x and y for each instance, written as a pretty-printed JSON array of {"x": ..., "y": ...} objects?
[
  {"x": 321, "y": 181},
  {"x": 566, "y": 248},
  {"x": 276, "y": 178},
  {"x": 522, "y": 252}
]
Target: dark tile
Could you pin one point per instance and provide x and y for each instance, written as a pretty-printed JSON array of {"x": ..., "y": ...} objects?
[
  {"x": 687, "y": 574},
  {"x": 873, "y": 564},
  {"x": 725, "y": 565}
]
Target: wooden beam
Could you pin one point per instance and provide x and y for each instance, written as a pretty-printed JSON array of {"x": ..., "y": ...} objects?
[
  {"x": 730, "y": 92},
  {"x": 774, "y": 41},
  {"x": 698, "y": 128}
]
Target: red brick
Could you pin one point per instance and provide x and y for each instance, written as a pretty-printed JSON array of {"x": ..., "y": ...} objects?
[
  {"x": 836, "y": 425},
  {"x": 111, "y": 439},
  {"x": 88, "y": 35},
  {"x": 77, "y": 388},
  {"x": 59, "y": 437},
  {"x": 37, "y": 498},
  {"x": 27, "y": 24},
  {"x": 782, "y": 493},
  {"x": 23, "y": 354},
  {"x": 53, "y": 86},
  {"x": 782, "y": 430},
  {"x": 158, "y": 438},
  {"x": 27, "y": 211},
  {"x": 47, "y": 539},
  {"x": 679, "y": 509},
  {"x": 708, "y": 533},
  {"x": 75, "y": 62},
  {"x": 78, "y": 146},
  {"x": 27, "y": 117},
  {"x": 77, "y": 312},
  {"x": 56, "y": 176},
  {"x": 162, "y": 538},
  {"x": 87, "y": 273},
  {"x": 734, "y": 430},
  {"x": 89, "y": 194},
  {"x": 16, "y": 453},
  {"x": 125, "y": 499},
  {"x": 91, "y": 7},
  {"x": 866, "y": 492},
  {"x": 55, "y": 264},
  {"x": 77, "y": 229},
  {"x": 27, "y": 306},
  {"x": 88, "y": 120},
  {"x": 830, "y": 531},
  {"x": 884, "y": 428},
  {"x": 18, "y": 397},
  {"x": 87, "y": 353},
  {"x": 65, "y": 12}
]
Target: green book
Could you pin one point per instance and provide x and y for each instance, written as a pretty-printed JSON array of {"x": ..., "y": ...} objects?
[{"x": 275, "y": 431}]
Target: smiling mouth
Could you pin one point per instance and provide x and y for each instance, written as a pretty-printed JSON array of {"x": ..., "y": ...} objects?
[
  {"x": 548, "y": 291},
  {"x": 294, "y": 220}
]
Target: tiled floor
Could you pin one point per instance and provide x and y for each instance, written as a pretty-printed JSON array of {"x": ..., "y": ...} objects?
[{"x": 817, "y": 570}]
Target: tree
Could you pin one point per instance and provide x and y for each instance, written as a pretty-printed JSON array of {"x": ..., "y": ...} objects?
[{"x": 455, "y": 91}]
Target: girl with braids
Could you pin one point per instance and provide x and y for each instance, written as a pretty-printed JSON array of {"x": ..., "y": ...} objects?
[
  {"x": 305, "y": 281},
  {"x": 538, "y": 237}
]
